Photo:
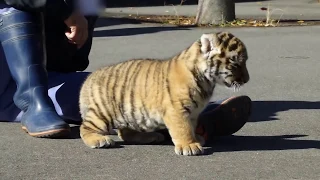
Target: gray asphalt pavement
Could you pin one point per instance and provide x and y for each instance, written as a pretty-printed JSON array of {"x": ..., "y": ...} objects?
[
  {"x": 246, "y": 9},
  {"x": 281, "y": 141}
]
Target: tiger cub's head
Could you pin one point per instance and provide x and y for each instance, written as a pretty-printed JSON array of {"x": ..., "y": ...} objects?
[{"x": 225, "y": 57}]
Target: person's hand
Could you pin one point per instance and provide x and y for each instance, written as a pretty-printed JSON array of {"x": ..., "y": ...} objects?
[{"x": 78, "y": 25}]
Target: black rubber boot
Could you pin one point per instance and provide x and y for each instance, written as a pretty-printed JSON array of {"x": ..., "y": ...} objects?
[{"x": 22, "y": 38}]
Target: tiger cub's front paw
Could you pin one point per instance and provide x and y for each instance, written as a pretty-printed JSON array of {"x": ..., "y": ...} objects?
[
  {"x": 98, "y": 141},
  {"x": 192, "y": 149}
]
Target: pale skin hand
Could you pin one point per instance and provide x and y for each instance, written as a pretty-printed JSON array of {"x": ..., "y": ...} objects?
[{"x": 78, "y": 29}]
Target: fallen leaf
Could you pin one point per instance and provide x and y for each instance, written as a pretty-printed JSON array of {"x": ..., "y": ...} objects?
[
  {"x": 264, "y": 8},
  {"x": 300, "y": 21}
]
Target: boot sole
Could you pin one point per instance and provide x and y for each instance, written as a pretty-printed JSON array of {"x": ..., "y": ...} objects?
[
  {"x": 240, "y": 106},
  {"x": 57, "y": 133}
]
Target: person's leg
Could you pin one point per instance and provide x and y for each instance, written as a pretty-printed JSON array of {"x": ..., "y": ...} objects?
[
  {"x": 8, "y": 110},
  {"x": 21, "y": 36},
  {"x": 63, "y": 89},
  {"x": 63, "y": 82},
  {"x": 64, "y": 92}
]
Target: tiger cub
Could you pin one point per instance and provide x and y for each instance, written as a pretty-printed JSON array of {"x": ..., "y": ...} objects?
[{"x": 140, "y": 96}]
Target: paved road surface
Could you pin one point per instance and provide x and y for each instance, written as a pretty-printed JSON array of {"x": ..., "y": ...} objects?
[
  {"x": 281, "y": 141},
  {"x": 279, "y": 9}
]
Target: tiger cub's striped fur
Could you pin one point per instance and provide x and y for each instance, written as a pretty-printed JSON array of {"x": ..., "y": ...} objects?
[{"x": 139, "y": 96}]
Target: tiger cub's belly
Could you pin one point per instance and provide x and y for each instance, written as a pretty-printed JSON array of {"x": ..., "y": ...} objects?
[{"x": 142, "y": 122}]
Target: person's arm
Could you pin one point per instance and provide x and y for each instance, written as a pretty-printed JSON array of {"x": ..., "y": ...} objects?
[
  {"x": 63, "y": 9},
  {"x": 60, "y": 8}
]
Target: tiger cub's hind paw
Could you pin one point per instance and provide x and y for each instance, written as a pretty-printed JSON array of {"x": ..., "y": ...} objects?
[{"x": 98, "y": 141}]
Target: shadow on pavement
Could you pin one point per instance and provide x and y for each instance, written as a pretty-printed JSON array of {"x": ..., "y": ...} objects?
[
  {"x": 239, "y": 143},
  {"x": 262, "y": 111},
  {"x": 267, "y": 110},
  {"x": 144, "y": 3},
  {"x": 113, "y": 21},
  {"x": 75, "y": 132},
  {"x": 261, "y": 143},
  {"x": 133, "y": 31}
]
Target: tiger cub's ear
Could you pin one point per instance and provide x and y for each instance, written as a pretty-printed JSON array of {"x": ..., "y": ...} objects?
[{"x": 209, "y": 45}]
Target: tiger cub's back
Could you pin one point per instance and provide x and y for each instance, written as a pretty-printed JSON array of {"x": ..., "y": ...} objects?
[{"x": 126, "y": 94}]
